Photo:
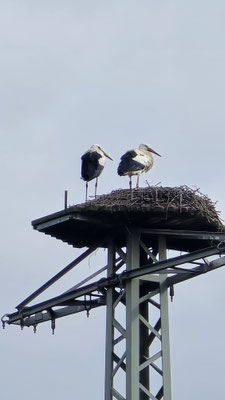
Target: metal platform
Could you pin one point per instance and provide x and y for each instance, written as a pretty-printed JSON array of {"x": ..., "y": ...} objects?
[{"x": 82, "y": 229}]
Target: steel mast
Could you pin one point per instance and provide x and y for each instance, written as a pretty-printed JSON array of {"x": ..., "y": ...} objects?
[{"x": 139, "y": 277}]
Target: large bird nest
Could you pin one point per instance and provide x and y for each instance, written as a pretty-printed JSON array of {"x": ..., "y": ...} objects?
[{"x": 158, "y": 207}]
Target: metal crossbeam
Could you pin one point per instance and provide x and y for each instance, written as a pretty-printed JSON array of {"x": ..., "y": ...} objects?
[
  {"x": 116, "y": 280},
  {"x": 179, "y": 233},
  {"x": 48, "y": 315},
  {"x": 201, "y": 269}
]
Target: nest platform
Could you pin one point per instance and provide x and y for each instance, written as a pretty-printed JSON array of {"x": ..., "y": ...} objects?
[{"x": 152, "y": 210}]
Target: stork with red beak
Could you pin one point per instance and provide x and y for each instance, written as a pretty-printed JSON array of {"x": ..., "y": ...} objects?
[
  {"x": 92, "y": 165},
  {"x": 135, "y": 162}
]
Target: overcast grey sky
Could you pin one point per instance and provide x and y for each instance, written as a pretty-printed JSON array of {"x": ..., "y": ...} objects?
[{"x": 74, "y": 73}]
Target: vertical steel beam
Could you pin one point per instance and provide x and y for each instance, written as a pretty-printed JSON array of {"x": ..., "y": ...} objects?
[
  {"x": 143, "y": 328},
  {"x": 165, "y": 324},
  {"x": 109, "y": 327},
  {"x": 132, "y": 320}
]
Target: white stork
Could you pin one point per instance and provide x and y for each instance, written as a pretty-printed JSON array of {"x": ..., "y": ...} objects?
[
  {"x": 135, "y": 162},
  {"x": 92, "y": 165}
]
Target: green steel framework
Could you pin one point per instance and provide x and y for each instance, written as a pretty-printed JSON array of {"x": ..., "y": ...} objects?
[{"x": 135, "y": 291}]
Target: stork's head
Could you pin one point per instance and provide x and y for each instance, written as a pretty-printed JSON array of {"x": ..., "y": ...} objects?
[
  {"x": 96, "y": 147},
  {"x": 145, "y": 147}
]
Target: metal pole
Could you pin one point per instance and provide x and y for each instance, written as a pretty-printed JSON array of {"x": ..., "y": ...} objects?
[
  {"x": 132, "y": 321},
  {"x": 65, "y": 199},
  {"x": 167, "y": 395},
  {"x": 144, "y": 330},
  {"x": 109, "y": 327}
]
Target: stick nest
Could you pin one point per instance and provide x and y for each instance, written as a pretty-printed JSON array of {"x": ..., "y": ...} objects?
[{"x": 176, "y": 205}]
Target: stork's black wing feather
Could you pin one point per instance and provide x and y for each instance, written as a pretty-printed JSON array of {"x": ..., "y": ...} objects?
[
  {"x": 90, "y": 166},
  {"x": 128, "y": 164}
]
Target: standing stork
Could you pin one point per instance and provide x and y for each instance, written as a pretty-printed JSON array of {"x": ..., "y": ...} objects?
[
  {"x": 92, "y": 165},
  {"x": 135, "y": 162}
]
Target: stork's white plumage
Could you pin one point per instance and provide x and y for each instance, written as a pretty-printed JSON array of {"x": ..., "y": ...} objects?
[
  {"x": 92, "y": 165},
  {"x": 135, "y": 162}
]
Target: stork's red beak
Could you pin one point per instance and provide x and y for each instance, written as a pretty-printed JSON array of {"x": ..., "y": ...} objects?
[
  {"x": 107, "y": 155},
  {"x": 153, "y": 151}
]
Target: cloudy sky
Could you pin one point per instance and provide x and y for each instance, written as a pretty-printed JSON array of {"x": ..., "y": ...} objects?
[{"x": 74, "y": 73}]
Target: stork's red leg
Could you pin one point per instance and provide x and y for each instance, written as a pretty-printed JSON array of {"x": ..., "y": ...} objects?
[
  {"x": 96, "y": 185},
  {"x": 137, "y": 186},
  {"x": 130, "y": 182},
  {"x": 86, "y": 191}
]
